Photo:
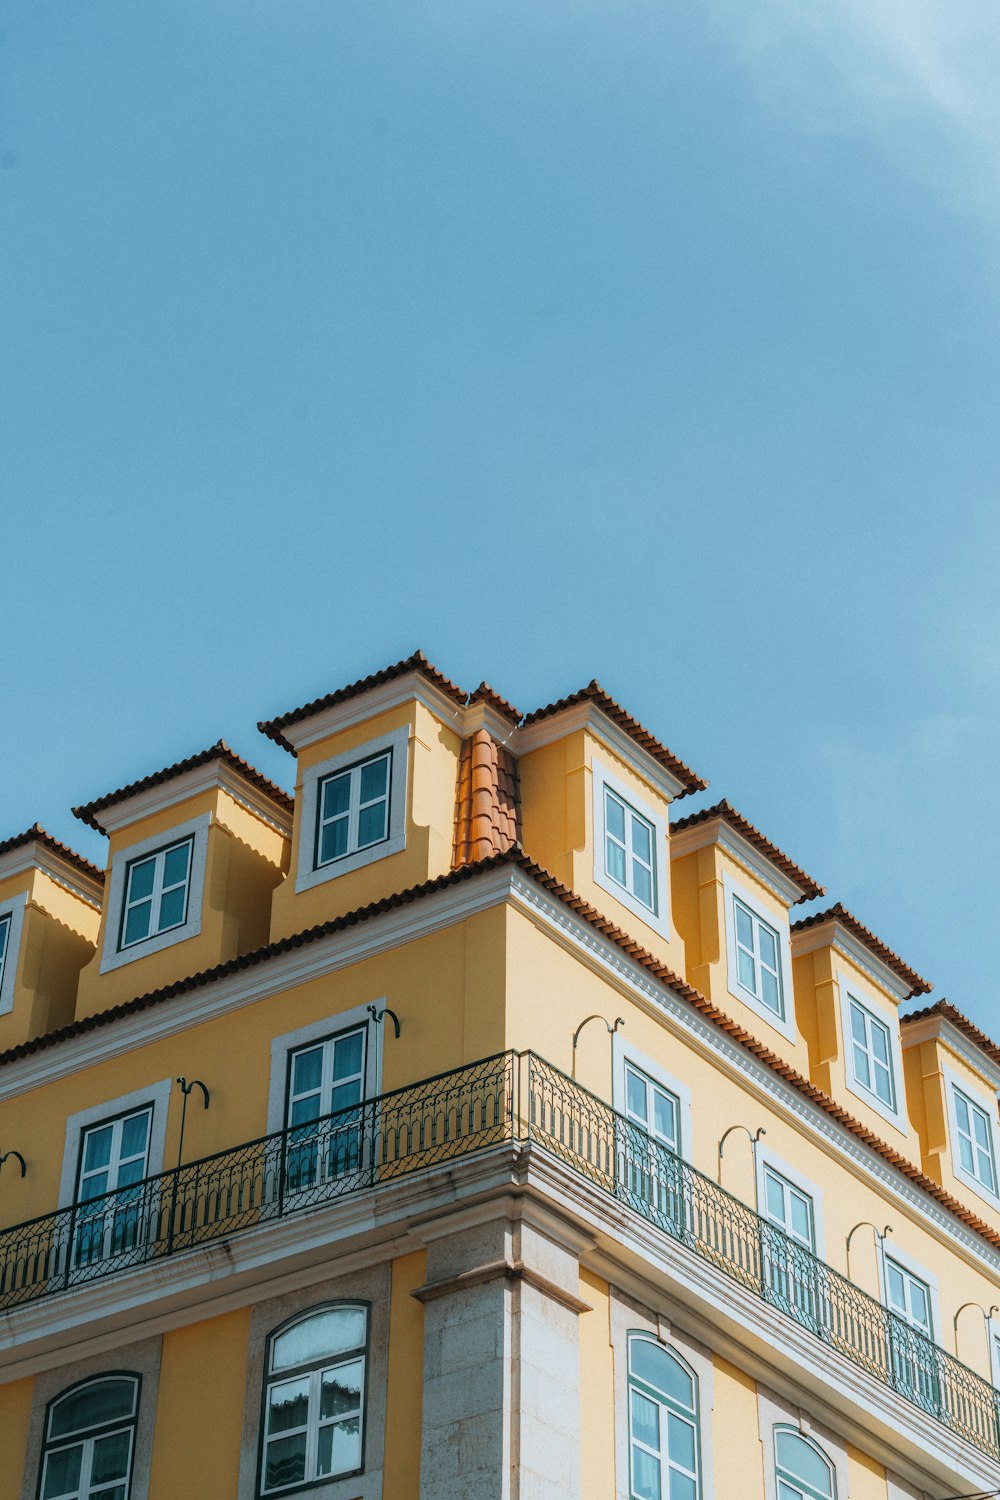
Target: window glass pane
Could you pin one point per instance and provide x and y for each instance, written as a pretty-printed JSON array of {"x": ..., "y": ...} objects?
[
  {"x": 747, "y": 971},
  {"x": 920, "y": 1304},
  {"x": 141, "y": 878},
  {"x": 336, "y": 795},
  {"x": 333, "y": 841},
  {"x": 682, "y": 1487},
  {"x": 645, "y": 1475},
  {"x": 347, "y": 1055},
  {"x": 616, "y": 862},
  {"x": 645, "y": 1420},
  {"x": 744, "y": 926},
  {"x": 897, "y": 1288},
  {"x": 614, "y": 817},
  {"x": 680, "y": 1440},
  {"x": 858, "y": 1028},
  {"x": 374, "y": 779},
  {"x": 981, "y": 1129},
  {"x": 767, "y": 946},
  {"x": 99, "y": 1401},
  {"x": 665, "y": 1116},
  {"x": 341, "y": 1390},
  {"x": 802, "y": 1461},
  {"x": 285, "y": 1462},
  {"x": 372, "y": 823},
  {"x": 175, "y": 864},
  {"x": 880, "y": 1043},
  {"x": 862, "y": 1072},
  {"x": 775, "y": 1198},
  {"x": 137, "y": 922},
  {"x": 288, "y": 1405},
  {"x": 307, "y": 1070},
  {"x": 110, "y": 1460},
  {"x": 965, "y": 1153},
  {"x": 331, "y": 1332},
  {"x": 97, "y": 1148},
  {"x": 769, "y": 991},
  {"x": 135, "y": 1133},
  {"x": 635, "y": 1094},
  {"x": 642, "y": 884},
  {"x": 642, "y": 843},
  {"x": 345, "y": 1095},
  {"x": 661, "y": 1371},
  {"x": 801, "y": 1218},
  {"x": 340, "y": 1447},
  {"x": 172, "y": 904},
  {"x": 62, "y": 1472}
]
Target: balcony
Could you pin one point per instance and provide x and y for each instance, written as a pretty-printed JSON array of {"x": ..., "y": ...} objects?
[{"x": 507, "y": 1099}]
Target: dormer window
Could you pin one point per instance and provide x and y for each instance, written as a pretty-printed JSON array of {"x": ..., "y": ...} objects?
[
  {"x": 4, "y": 943},
  {"x": 353, "y": 809},
  {"x": 156, "y": 893},
  {"x": 871, "y": 1054},
  {"x": 758, "y": 959},
  {"x": 974, "y": 1138},
  {"x": 630, "y": 849}
]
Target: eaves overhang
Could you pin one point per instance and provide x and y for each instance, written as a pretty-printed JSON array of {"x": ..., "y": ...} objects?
[
  {"x": 36, "y": 849},
  {"x": 837, "y": 927},
  {"x": 722, "y": 824}
]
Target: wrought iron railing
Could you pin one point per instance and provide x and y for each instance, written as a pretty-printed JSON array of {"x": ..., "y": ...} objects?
[{"x": 506, "y": 1098}]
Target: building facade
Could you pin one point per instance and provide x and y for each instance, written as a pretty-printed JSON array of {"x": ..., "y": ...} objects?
[{"x": 472, "y": 1126}]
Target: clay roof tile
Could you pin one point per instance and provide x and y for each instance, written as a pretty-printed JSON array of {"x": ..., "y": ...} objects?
[
  {"x": 728, "y": 814},
  {"x": 839, "y": 913},
  {"x": 88, "y": 812}
]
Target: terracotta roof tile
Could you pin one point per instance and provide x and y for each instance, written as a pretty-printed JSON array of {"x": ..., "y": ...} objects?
[
  {"x": 763, "y": 845},
  {"x": 485, "y": 694},
  {"x": 36, "y": 834},
  {"x": 949, "y": 1012},
  {"x": 594, "y": 693},
  {"x": 839, "y": 913},
  {"x": 415, "y": 663},
  {"x": 219, "y": 751},
  {"x": 587, "y": 913},
  {"x": 488, "y": 802}
]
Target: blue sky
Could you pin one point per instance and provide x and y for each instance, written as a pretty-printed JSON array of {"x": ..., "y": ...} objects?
[{"x": 602, "y": 338}]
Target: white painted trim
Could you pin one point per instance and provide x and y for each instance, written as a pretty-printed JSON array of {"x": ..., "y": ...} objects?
[
  {"x": 112, "y": 957},
  {"x": 214, "y": 775},
  {"x": 291, "y": 1041},
  {"x": 309, "y": 875},
  {"x": 832, "y": 935},
  {"x": 14, "y": 907},
  {"x": 883, "y": 1011},
  {"x": 38, "y": 856},
  {"x": 590, "y": 717},
  {"x": 898, "y": 1489},
  {"x": 784, "y": 1024},
  {"x": 627, "y": 1317},
  {"x": 993, "y": 1335},
  {"x": 658, "y": 919},
  {"x": 765, "y": 1157},
  {"x": 773, "y": 1411},
  {"x": 156, "y": 1094},
  {"x": 718, "y": 831},
  {"x": 622, "y": 1052},
  {"x": 988, "y": 1104},
  {"x": 890, "y": 1250},
  {"x": 327, "y": 722},
  {"x": 940, "y": 1029}
]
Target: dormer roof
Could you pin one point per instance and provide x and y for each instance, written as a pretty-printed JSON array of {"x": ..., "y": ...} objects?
[
  {"x": 944, "y": 1010},
  {"x": 224, "y": 767},
  {"x": 849, "y": 924},
  {"x": 724, "y": 813},
  {"x": 37, "y": 848}
]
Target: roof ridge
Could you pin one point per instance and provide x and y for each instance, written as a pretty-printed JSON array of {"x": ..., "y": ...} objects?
[
  {"x": 728, "y": 813},
  {"x": 838, "y": 913},
  {"x": 220, "y": 750}
]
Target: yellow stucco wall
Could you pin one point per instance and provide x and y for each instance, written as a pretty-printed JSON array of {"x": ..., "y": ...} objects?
[
  {"x": 15, "y": 1414},
  {"x": 406, "y": 1377},
  {"x": 597, "y": 1391},
  {"x": 199, "y": 1410}
]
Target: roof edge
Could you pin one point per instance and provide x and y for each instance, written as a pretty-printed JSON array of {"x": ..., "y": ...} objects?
[
  {"x": 87, "y": 812},
  {"x": 839, "y": 913},
  {"x": 726, "y": 813}
]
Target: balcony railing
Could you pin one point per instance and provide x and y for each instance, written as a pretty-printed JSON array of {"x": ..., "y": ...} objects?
[{"x": 506, "y": 1098}]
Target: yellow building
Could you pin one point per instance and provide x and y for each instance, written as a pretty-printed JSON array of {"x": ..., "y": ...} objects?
[{"x": 470, "y": 1126}]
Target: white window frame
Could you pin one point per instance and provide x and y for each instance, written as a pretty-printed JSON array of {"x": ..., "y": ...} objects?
[
  {"x": 850, "y": 990},
  {"x": 196, "y": 829},
  {"x": 308, "y": 873},
  {"x": 111, "y": 1429},
  {"x": 157, "y": 1096},
  {"x": 155, "y": 897},
  {"x": 986, "y": 1103},
  {"x": 765, "y": 1157},
  {"x": 13, "y": 909},
  {"x": 657, "y": 918},
  {"x": 915, "y": 1268},
  {"x": 623, "y": 1052},
  {"x": 734, "y": 891},
  {"x": 993, "y": 1333},
  {"x": 319, "y": 1031},
  {"x": 773, "y": 1411},
  {"x": 808, "y": 1441}
]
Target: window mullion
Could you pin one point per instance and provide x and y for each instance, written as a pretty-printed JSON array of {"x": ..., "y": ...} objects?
[
  {"x": 312, "y": 1424},
  {"x": 159, "y": 865}
]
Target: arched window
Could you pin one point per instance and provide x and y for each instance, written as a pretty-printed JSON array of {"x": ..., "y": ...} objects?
[
  {"x": 89, "y": 1438},
  {"x": 802, "y": 1470},
  {"x": 314, "y": 1398},
  {"x": 664, "y": 1441}
]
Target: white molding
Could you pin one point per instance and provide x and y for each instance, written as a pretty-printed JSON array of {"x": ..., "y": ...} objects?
[
  {"x": 327, "y": 1026},
  {"x": 890, "y": 1249},
  {"x": 196, "y": 829},
  {"x": 36, "y": 855},
  {"x": 327, "y": 722},
  {"x": 14, "y": 907},
  {"x": 718, "y": 831},
  {"x": 590, "y": 717},
  {"x": 785, "y": 1024},
  {"x": 774, "y": 1411},
  {"x": 848, "y": 990},
  {"x": 214, "y": 775},
  {"x": 988, "y": 1104},
  {"x": 833, "y": 935},
  {"x": 940, "y": 1028},
  {"x": 622, "y": 1051},
  {"x": 993, "y": 1336},
  {"x": 309, "y": 875},
  {"x": 764, "y": 1156},
  {"x": 156, "y": 1094},
  {"x": 659, "y": 918}
]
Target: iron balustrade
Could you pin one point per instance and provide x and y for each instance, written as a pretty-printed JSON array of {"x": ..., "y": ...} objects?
[{"x": 510, "y": 1097}]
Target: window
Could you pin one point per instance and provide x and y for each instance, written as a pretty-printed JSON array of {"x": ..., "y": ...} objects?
[
  {"x": 802, "y": 1471},
  {"x": 871, "y": 1054},
  {"x": 156, "y": 893},
  {"x": 758, "y": 961},
  {"x": 110, "y": 1213},
  {"x": 792, "y": 1277},
  {"x": 89, "y": 1437},
  {"x": 4, "y": 940},
  {"x": 651, "y": 1106},
  {"x": 651, "y": 1175},
  {"x": 914, "y": 1359},
  {"x": 628, "y": 849},
  {"x": 353, "y": 809},
  {"x": 314, "y": 1400},
  {"x": 664, "y": 1441},
  {"x": 326, "y": 1083},
  {"x": 975, "y": 1141}
]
